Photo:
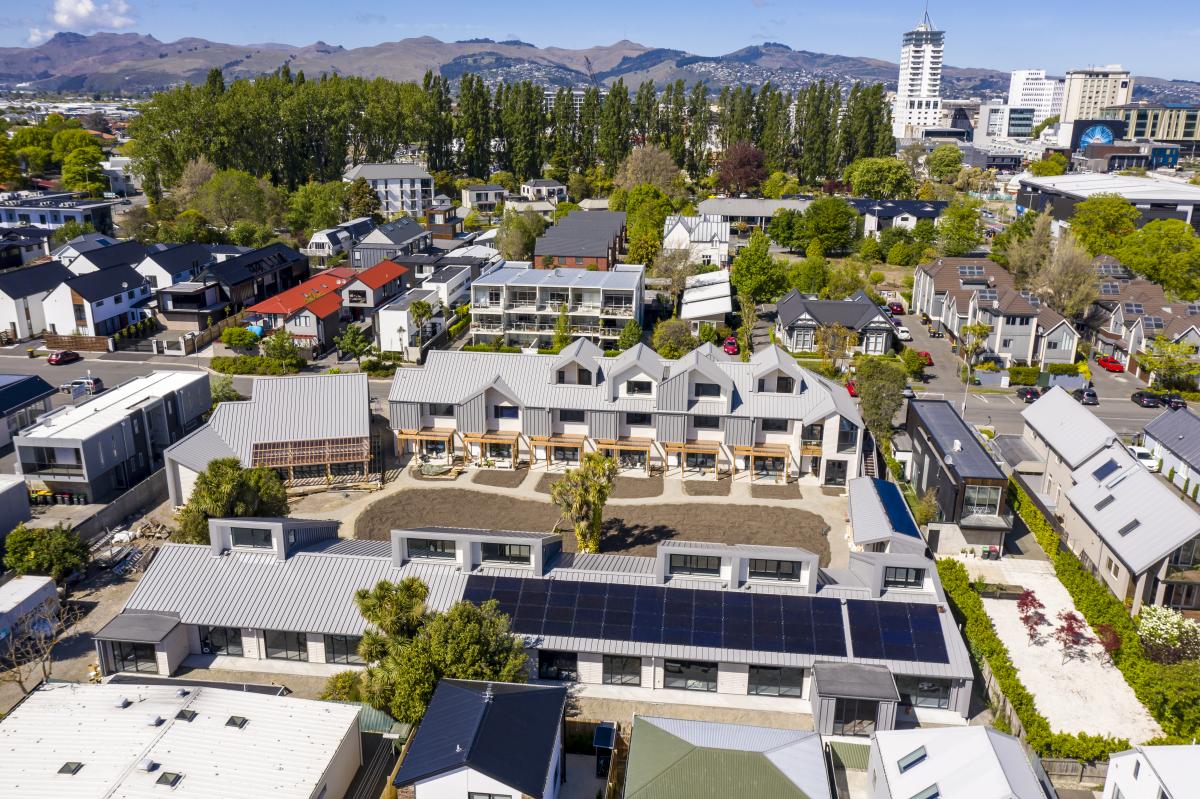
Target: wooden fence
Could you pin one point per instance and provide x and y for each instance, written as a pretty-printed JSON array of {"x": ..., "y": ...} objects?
[
  {"x": 78, "y": 343},
  {"x": 1064, "y": 770}
]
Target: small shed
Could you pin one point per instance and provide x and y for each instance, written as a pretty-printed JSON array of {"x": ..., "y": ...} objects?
[
  {"x": 14, "y": 502},
  {"x": 853, "y": 698}
]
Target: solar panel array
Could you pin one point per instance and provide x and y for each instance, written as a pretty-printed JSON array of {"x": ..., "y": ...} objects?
[
  {"x": 1110, "y": 289},
  {"x": 1135, "y": 308},
  {"x": 1153, "y": 322},
  {"x": 1110, "y": 269},
  {"x": 1105, "y": 469},
  {"x": 657, "y": 615},
  {"x": 988, "y": 295},
  {"x": 1032, "y": 298},
  {"x": 896, "y": 631},
  {"x": 1193, "y": 309},
  {"x": 970, "y": 270}
]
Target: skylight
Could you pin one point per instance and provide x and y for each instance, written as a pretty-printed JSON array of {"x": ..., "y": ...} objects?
[
  {"x": 1104, "y": 503},
  {"x": 931, "y": 792},
  {"x": 186, "y": 715},
  {"x": 911, "y": 759},
  {"x": 1105, "y": 469},
  {"x": 169, "y": 778},
  {"x": 1129, "y": 528},
  {"x": 236, "y": 721},
  {"x": 70, "y": 767}
]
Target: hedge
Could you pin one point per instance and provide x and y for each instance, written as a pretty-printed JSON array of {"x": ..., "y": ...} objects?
[
  {"x": 490, "y": 348},
  {"x": 986, "y": 647},
  {"x": 1023, "y": 375},
  {"x": 1063, "y": 368},
  {"x": 458, "y": 327},
  {"x": 1170, "y": 692},
  {"x": 252, "y": 365}
]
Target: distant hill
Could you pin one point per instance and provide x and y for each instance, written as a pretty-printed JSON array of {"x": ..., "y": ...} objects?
[{"x": 133, "y": 63}]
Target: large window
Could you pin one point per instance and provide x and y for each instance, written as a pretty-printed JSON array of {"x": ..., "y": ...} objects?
[
  {"x": 505, "y": 553},
  {"x": 812, "y": 434},
  {"x": 134, "y": 657},
  {"x": 900, "y": 577},
  {"x": 690, "y": 675},
  {"x": 919, "y": 692},
  {"x": 474, "y": 795},
  {"x": 706, "y": 422},
  {"x": 430, "y": 548},
  {"x": 765, "y": 569},
  {"x": 557, "y": 665},
  {"x": 708, "y": 390},
  {"x": 854, "y": 716},
  {"x": 774, "y": 425},
  {"x": 251, "y": 537},
  {"x": 506, "y": 412},
  {"x": 847, "y": 436},
  {"x": 695, "y": 564},
  {"x": 622, "y": 670},
  {"x": 981, "y": 501},
  {"x": 440, "y": 409},
  {"x": 285, "y": 645},
  {"x": 772, "y": 681},
  {"x": 571, "y": 415},
  {"x": 638, "y": 419},
  {"x": 636, "y": 387},
  {"x": 221, "y": 641},
  {"x": 343, "y": 649}
]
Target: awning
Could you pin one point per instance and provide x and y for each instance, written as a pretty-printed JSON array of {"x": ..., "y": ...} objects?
[
  {"x": 688, "y": 447},
  {"x": 493, "y": 437},
  {"x": 139, "y": 627},
  {"x": 426, "y": 434},
  {"x": 765, "y": 450},
  {"x": 854, "y": 681},
  {"x": 559, "y": 440},
  {"x": 628, "y": 444}
]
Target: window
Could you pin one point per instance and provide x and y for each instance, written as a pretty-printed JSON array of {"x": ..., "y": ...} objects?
[
  {"x": 762, "y": 569},
  {"x": 571, "y": 415},
  {"x": 583, "y": 376},
  {"x": 919, "y": 692},
  {"x": 557, "y": 665},
  {"x": 784, "y": 385},
  {"x": 1051, "y": 345},
  {"x": 695, "y": 564},
  {"x": 771, "y": 681},
  {"x": 622, "y": 670},
  {"x": 981, "y": 501},
  {"x": 900, "y": 577},
  {"x": 129, "y": 656},
  {"x": 430, "y": 548},
  {"x": 284, "y": 645},
  {"x": 643, "y": 419},
  {"x": 688, "y": 675},
  {"x": 251, "y": 537},
  {"x": 474, "y": 795},
  {"x": 506, "y": 412},
  {"x": 911, "y": 759},
  {"x": 1111, "y": 566},
  {"x": 708, "y": 390},
  {"x": 774, "y": 425},
  {"x": 1137, "y": 768},
  {"x": 706, "y": 422},
  {"x": 505, "y": 553},
  {"x": 343, "y": 649},
  {"x": 854, "y": 716},
  {"x": 1006, "y": 344},
  {"x": 636, "y": 387},
  {"x": 440, "y": 409},
  {"x": 221, "y": 641},
  {"x": 129, "y": 295},
  {"x": 847, "y": 436},
  {"x": 812, "y": 434}
]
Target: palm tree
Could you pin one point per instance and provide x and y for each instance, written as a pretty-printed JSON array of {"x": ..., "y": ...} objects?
[
  {"x": 394, "y": 611},
  {"x": 421, "y": 312},
  {"x": 581, "y": 495}
]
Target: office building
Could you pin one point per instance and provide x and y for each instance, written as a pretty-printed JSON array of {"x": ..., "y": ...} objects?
[
  {"x": 1088, "y": 92},
  {"x": 919, "y": 90},
  {"x": 1031, "y": 88},
  {"x": 1172, "y": 123}
]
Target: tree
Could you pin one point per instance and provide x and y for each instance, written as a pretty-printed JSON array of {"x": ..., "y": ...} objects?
[
  {"x": 880, "y": 178},
  {"x": 1067, "y": 283},
  {"x": 881, "y": 383},
  {"x": 812, "y": 274},
  {"x": 222, "y": 390},
  {"x": 843, "y": 280},
  {"x": 1028, "y": 256},
  {"x": 362, "y": 200},
  {"x": 779, "y": 184},
  {"x": 1071, "y": 634},
  {"x": 1166, "y": 251},
  {"x": 755, "y": 273},
  {"x": 1049, "y": 166},
  {"x": 468, "y": 642},
  {"x": 239, "y": 338},
  {"x": 631, "y": 335},
  {"x": 914, "y": 364},
  {"x": 673, "y": 338},
  {"x": 925, "y": 509},
  {"x": 517, "y": 234},
  {"x": 786, "y": 228},
  {"x": 1032, "y": 614},
  {"x": 562, "y": 209},
  {"x": 394, "y": 612},
  {"x": 650, "y": 165},
  {"x": 581, "y": 495},
  {"x": 71, "y": 230},
  {"x": 356, "y": 343},
  {"x": 421, "y": 312},
  {"x": 81, "y": 171},
  {"x": 675, "y": 267},
  {"x": 830, "y": 220},
  {"x": 1167, "y": 635},
  {"x": 742, "y": 168},
  {"x": 316, "y": 206},
  {"x": 280, "y": 348},
  {"x": 643, "y": 249},
  {"x": 195, "y": 174},
  {"x": 1171, "y": 363},
  {"x": 944, "y": 162},
  {"x": 226, "y": 490},
  {"x": 972, "y": 339},
  {"x": 562, "y": 330},
  {"x": 30, "y": 645},
  {"x": 833, "y": 342},
  {"x": 68, "y": 140},
  {"x": 1036, "y": 133},
  {"x": 9, "y": 168},
  {"x": 230, "y": 196},
  {"x": 55, "y": 552},
  {"x": 1102, "y": 221},
  {"x": 960, "y": 230}
]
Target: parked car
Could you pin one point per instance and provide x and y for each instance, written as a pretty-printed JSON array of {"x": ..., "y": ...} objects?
[
  {"x": 1173, "y": 401},
  {"x": 91, "y": 385},
  {"x": 1110, "y": 364},
  {"x": 1146, "y": 399},
  {"x": 897, "y": 308},
  {"x": 903, "y": 334},
  {"x": 908, "y": 393},
  {"x": 731, "y": 345},
  {"x": 63, "y": 356},
  {"x": 1144, "y": 456},
  {"x": 1028, "y": 393},
  {"x": 926, "y": 357},
  {"x": 852, "y": 387},
  {"x": 1086, "y": 396}
]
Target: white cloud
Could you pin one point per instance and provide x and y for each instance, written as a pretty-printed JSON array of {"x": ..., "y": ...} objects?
[{"x": 83, "y": 16}]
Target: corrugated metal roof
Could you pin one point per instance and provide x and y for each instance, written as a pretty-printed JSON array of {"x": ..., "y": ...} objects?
[
  {"x": 385, "y": 172},
  {"x": 624, "y": 276},
  {"x": 947, "y": 429},
  {"x": 741, "y": 206},
  {"x": 977, "y": 762},
  {"x": 1179, "y": 433},
  {"x": 701, "y": 229},
  {"x": 1071, "y": 430}
]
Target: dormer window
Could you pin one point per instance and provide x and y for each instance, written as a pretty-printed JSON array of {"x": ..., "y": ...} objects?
[
  {"x": 784, "y": 385},
  {"x": 639, "y": 387},
  {"x": 491, "y": 552},
  {"x": 704, "y": 565},
  {"x": 707, "y": 390},
  {"x": 584, "y": 377},
  {"x": 251, "y": 538}
]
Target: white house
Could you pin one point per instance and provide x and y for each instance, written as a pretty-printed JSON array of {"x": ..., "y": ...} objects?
[
  {"x": 396, "y": 328},
  {"x": 483, "y": 197},
  {"x": 707, "y": 299},
  {"x": 120, "y": 253},
  {"x": 403, "y": 188},
  {"x": 332, "y": 242},
  {"x": 543, "y": 208},
  {"x": 543, "y": 189},
  {"x": 166, "y": 265},
  {"x": 72, "y": 249},
  {"x": 122, "y": 179},
  {"x": 705, "y": 237},
  {"x": 98, "y": 303},
  {"x": 22, "y": 294},
  {"x": 1152, "y": 772}
]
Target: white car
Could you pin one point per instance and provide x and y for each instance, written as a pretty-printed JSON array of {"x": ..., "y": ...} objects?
[
  {"x": 1145, "y": 457},
  {"x": 903, "y": 334}
]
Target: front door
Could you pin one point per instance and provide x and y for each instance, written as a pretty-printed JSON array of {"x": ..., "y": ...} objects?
[{"x": 835, "y": 473}]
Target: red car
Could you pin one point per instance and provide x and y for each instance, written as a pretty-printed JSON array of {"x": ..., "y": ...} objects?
[
  {"x": 896, "y": 308},
  {"x": 731, "y": 346},
  {"x": 925, "y": 356},
  {"x": 1110, "y": 364},
  {"x": 852, "y": 387},
  {"x": 63, "y": 356}
]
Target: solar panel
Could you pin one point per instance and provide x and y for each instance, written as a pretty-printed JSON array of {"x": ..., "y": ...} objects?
[
  {"x": 1110, "y": 289},
  {"x": 1031, "y": 298},
  {"x": 988, "y": 295},
  {"x": 1105, "y": 469},
  {"x": 1134, "y": 308},
  {"x": 1153, "y": 322},
  {"x": 896, "y": 631},
  {"x": 970, "y": 270},
  {"x": 1193, "y": 309}
]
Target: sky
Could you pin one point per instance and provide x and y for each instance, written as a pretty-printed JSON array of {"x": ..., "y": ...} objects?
[{"x": 1159, "y": 40}]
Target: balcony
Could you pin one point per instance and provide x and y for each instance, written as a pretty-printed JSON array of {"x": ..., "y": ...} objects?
[
  {"x": 486, "y": 327},
  {"x": 484, "y": 305},
  {"x": 625, "y": 311},
  {"x": 69, "y": 471}
]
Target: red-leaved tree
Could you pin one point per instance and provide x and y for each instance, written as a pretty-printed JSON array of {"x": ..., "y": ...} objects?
[
  {"x": 1071, "y": 634},
  {"x": 1108, "y": 637},
  {"x": 1030, "y": 608},
  {"x": 742, "y": 168}
]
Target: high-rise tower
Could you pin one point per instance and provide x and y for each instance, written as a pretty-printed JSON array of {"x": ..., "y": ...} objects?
[{"x": 919, "y": 90}]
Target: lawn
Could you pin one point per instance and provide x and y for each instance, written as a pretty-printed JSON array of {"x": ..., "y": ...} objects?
[{"x": 628, "y": 529}]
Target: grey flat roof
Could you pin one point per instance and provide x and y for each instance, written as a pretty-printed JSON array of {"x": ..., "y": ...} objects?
[
  {"x": 945, "y": 428},
  {"x": 564, "y": 277},
  {"x": 854, "y": 681},
  {"x": 141, "y": 627}
]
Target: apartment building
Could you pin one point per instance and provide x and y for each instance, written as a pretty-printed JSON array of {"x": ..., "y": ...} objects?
[
  {"x": 402, "y": 188},
  {"x": 53, "y": 209},
  {"x": 689, "y": 417},
  {"x": 584, "y": 239},
  {"x": 114, "y": 440},
  {"x": 325, "y": 245},
  {"x": 543, "y": 189},
  {"x": 522, "y": 305},
  {"x": 1087, "y": 92},
  {"x": 855, "y": 649},
  {"x": 918, "y": 100}
]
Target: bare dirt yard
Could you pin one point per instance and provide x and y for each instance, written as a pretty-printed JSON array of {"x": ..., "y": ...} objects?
[
  {"x": 623, "y": 487},
  {"x": 500, "y": 478},
  {"x": 708, "y": 488},
  {"x": 782, "y": 491},
  {"x": 628, "y": 529}
]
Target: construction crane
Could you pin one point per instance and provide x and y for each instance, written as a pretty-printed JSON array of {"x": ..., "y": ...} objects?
[{"x": 587, "y": 62}]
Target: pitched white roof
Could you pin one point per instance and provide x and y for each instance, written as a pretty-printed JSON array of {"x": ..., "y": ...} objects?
[
  {"x": 1073, "y": 431},
  {"x": 974, "y": 762},
  {"x": 1175, "y": 766}
]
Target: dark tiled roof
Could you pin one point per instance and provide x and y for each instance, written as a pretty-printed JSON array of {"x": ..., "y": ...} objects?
[
  {"x": 17, "y": 391},
  {"x": 853, "y": 313},
  {"x": 889, "y": 209},
  {"x": 272, "y": 258},
  {"x": 125, "y": 253},
  {"x": 177, "y": 257},
  {"x": 503, "y": 730},
  {"x": 582, "y": 233},
  {"x": 106, "y": 283},
  {"x": 33, "y": 279},
  {"x": 1179, "y": 433}
]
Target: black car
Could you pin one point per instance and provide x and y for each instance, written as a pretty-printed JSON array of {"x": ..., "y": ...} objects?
[
  {"x": 1146, "y": 399},
  {"x": 1028, "y": 393},
  {"x": 1086, "y": 396},
  {"x": 1173, "y": 401}
]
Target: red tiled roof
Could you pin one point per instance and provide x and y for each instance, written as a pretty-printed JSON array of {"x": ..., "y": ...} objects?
[
  {"x": 381, "y": 274},
  {"x": 319, "y": 292}
]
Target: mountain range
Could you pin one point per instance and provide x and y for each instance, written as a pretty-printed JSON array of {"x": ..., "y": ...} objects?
[{"x": 135, "y": 64}]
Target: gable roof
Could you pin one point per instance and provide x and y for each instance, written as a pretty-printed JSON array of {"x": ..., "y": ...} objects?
[
  {"x": 680, "y": 759},
  {"x": 503, "y": 730},
  {"x": 177, "y": 257},
  {"x": 380, "y": 274},
  {"x": 581, "y": 233},
  {"x": 701, "y": 229},
  {"x": 313, "y": 293},
  {"x": 855, "y": 312},
  {"x": 878, "y": 511},
  {"x": 247, "y": 266},
  {"x": 385, "y": 172},
  {"x": 582, "y": 351},
  {"x": 978, "y": 762},
  {"x": 1067, "y": 427},
  {"x": 890, "y": 209},
  {"x": 1174, "y": 765},
  {"x": 125, "y": 253},
  {"x": 398, "y": 231},
  {"x": 1179, "y": 433},
  {"x": 29, "y": 280},
  {"x": 17, "y": 391},
  {"x": 105, "y": 283}
]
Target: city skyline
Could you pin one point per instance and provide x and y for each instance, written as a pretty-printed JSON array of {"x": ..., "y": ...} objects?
[{"x": 1027, "y": 35}]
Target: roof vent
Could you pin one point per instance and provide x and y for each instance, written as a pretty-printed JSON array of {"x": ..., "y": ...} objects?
[
  {"x": 488, "y": 696},
  {"x": 70, "y": 767},
  {"x": 122, "y": 702},
  {"x": 236, "y": 721},
  {"x": 957, "y": 447},
  {"x": 181, "y": 692},
  {"x": 153, "y": 720},
  {"x": 147, "y": 765}
]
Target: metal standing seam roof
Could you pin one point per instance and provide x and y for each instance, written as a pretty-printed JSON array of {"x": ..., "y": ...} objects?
[
  {"x": 945, "y": 428},
  {"x": 386, "y": 172},
  {"x": 1071, "y": 430},
  {"x": 17, "y": 391},
  {"x": 746, "y": 206},
  {"x": 874, "y": 518},
  {"x": 680, "y": 759},
  {"x": 701, "y": 229},
  {"x": 1133, "y": 189},
  {"x": 139, "y": 627},
  {"x": 978, "y": 762},
  {"x": 1177, "y": 431}
]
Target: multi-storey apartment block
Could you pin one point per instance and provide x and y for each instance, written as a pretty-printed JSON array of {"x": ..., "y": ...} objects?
[{"x": 522, "y": 305}]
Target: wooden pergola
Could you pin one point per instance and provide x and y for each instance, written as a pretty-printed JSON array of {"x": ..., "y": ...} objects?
[
  {"x": 685, "y": 448},
  {"x": 318, "y": 452},
  {"x": 442, "y": 434},
  {"x": 763, "y": 451},
  {"x": 510, "y": 437},
  {"x": 629, "y": 444},
  {"x": 551, "y": 441}
]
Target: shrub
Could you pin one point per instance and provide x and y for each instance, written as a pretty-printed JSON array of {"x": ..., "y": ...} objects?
[
  {"x": 1167, "y": 636},
  {"x": 1062, "y": 369},
  {"x": 238, "y": 338},
  {"x": 458, "y": 327},
  {"x": 252, "y": 365},
  {"x": 1023, "y": 375},
  {"x": 377, "y": 368},
  {"x": 490, "y": 348}
]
